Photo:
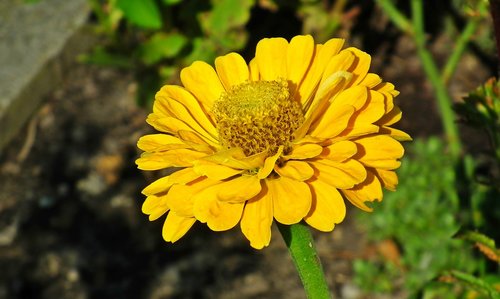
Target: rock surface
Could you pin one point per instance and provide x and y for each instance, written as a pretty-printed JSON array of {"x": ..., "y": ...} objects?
[{"x": 36, "y": 47}]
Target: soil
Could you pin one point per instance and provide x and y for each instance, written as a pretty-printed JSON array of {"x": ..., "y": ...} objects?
[{"x": 70, "y": 211}]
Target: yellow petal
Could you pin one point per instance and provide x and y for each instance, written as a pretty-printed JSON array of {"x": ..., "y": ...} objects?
[
  {"x": 371, "y": 80},
  {"x": 395, "y": 133},
  {"x": 391, "y": 118},
  {"x": 387, "y": 87},
  {"x": 182, "y": 176},
  {"x": 269, "y": 163},
  {"x": 254, "y": 70},
  {"x": 235, "y": 158},
  {"x": 271, "y": 58},
  {"x": 234, "y": 190},
  {"x": 328, "y": 207},
  {"x": 257, "y": 219},
  {"x": 191, "y": 104},
  {"x": 291, "y": 199},
  {"x": 180, "y": 197},
  {"x": 322, "y": 54},
  {"x": 232, "y": 70},
  {"x": 218, "y": 215},
  {"x": 180, "y": 112},
  {"x": 374, "y": 109},
  {"x": 167, "y": 124},
  {"x": 355, "y": 96},
  {"x": 175, "y": 227},
  {"x": 340, "y": 151},
  {"x": 172, "y": 158},
  {"x": 197, "y": 141},
  {"x": 340, "y": 62},
  {"x": 202, "y": 81},
  {"x": 304, "y": 151},
  {"x": 388, "y": 178},
  {"x": 214, "y": 171},
  {"x": 159, "y": 142},
  {"x": 298, "y": 58},
  {"x": 369, "y": 190},
  {"x": 340, "y": 118},
  {"x": 239, "y": 189},
  {"x": 380, "y": 151},
  {"x": 342, "y": 175},
  {"x": 155, "y": 207},
  {"x": 326, "y": 90},
  {"x": 360, "y": 67},
  {"x": 362, "y": 123},
  {"x": 297, "y": 170}
]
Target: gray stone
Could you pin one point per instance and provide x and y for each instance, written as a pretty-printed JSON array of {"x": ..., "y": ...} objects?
[{"x": 37, "y": 43}]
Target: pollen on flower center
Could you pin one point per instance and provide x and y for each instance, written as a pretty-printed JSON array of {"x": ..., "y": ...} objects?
[{"x": 257, "y": 116}]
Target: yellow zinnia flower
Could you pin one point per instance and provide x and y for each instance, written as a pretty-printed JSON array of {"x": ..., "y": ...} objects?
[{"x": 286, "y": 137}]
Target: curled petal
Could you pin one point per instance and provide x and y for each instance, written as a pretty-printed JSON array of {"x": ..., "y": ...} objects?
[
  {"x": 268, "y": 167},
  {"x": 322, "y": 54}
]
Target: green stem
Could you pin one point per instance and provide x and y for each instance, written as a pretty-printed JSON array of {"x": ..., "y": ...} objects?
[
  {"x": 432, "y": 72},
  {"x": 460, "y": 45},
  {"x": 300, "y": 243},
  {"x": 396, "y": 17}
]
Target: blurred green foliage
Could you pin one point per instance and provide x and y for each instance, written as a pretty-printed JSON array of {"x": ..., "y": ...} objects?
[
  {"x": 155, "y": 39},
  {"x": 421, "y": 218},
  {"x": 430, "y": 217}
]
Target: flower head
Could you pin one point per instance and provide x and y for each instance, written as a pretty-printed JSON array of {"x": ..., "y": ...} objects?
[{"x": 286, "y": 137}]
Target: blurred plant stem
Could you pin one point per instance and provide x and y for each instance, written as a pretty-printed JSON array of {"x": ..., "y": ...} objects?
[
  {"x": 495, "y": 14},
  {"x": 300, "y": 243},
  {"x": 431, "y": 70},
  {"x": 439, "y": 79}
]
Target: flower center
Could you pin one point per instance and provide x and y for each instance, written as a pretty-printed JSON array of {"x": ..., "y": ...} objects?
[{"x": 257, "y": 116}]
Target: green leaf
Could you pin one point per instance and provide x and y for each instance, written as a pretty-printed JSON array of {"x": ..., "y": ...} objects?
[
  {"x": 161, "y": 46},
  {"x": 227, "y": 14},
  {"x": 143, "y": 13},
  {"x": 477, "y": 283},
  {"x": 202, "y": 49},
  {"x": 225, "y": 23}
]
